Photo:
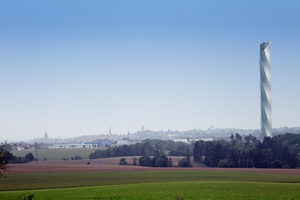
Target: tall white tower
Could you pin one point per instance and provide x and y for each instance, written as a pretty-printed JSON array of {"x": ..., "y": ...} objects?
[{"x": 265, "y": 90}]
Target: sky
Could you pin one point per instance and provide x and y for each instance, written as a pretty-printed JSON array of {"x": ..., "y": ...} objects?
[{"x": 78, "y": 67}]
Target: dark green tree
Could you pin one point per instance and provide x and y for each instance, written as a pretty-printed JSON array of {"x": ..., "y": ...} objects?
[
  {"x": 184, "y": 163},
  {"x": 170, "y": 162},
  {"x": 145, "y": 161},
  {"x": 146, "y": 149},
  {"x": 188, "y": 157},
  {"x": 29, "y": 157},
  {"x": 277, "y": 164},
  {"x": 179, "y": 149},
  {"x": 161, "y": 161},
  {"x": 134, "y": 161},
  {"x": 197, "y": 152},
  {"x": 238, "y": 138},
  {"x": 123, "y": 161},
  {"x": 223, "y": 163},
  {"x": 3, "y": 162},
  {"x": 36, "y": 147}
]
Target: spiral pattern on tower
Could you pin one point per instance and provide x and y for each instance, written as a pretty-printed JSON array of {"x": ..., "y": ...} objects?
[{"x": 265, "y": 89}]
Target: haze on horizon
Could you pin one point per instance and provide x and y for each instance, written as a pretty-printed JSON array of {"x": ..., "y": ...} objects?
[{"x": 75, "y": 68}]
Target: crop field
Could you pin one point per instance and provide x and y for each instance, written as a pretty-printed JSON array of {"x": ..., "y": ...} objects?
[
  {"x": 77, "y": 180},
  {"x": 57, "y": 154},
  {"x": 170, "y": 190},
  {"x": 30, "y": 181}
]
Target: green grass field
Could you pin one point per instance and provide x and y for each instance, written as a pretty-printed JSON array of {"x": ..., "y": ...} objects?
[
  {"x": 80, "y": 179},
  {"x": 169, "y": 190},
  {"x": 151, "y": 185},
  {"x": 57, "y": 154}
]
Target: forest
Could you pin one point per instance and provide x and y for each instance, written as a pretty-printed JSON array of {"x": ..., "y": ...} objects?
[
  {"x": 281, "y": 151},
  {"x": 155, "y": 148}
]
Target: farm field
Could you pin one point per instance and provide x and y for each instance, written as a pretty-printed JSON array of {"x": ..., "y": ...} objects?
[
  {"x": 77, "y": 180},
  {"x": 170, "y": 190},
  {"x": 57, "y": 154},
  {"x": 31, "y": 181},
  {"x": 112, "y": 165}
]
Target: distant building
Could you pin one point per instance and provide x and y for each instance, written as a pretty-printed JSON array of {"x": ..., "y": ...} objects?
[
  {"x": 191, "y": 140},
  {"x": 172, "y": 136},
  {"x": 70, "y": 146},
  {"x": 23, "y": 146},
  {"x": 46, "y": 136},
  {"x": 126, "y": 142}
]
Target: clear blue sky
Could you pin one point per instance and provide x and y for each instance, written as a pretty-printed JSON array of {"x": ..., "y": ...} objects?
[{"x": 76, "y": 67}]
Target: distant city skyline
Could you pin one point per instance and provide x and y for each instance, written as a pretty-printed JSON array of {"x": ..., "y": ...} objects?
[
  {"x": 195, "y": 134},
  {"x": 76, "y": 68}
]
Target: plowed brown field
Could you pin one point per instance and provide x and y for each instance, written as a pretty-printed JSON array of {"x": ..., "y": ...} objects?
[{"x": 112, "y": 164}]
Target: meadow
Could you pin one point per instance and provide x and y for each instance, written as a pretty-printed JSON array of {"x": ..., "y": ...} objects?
[
  {"x": 57, "y": 154},
  {"x": 197, "y": 184},
  {"x": 74, "y": 179},
  {"x": 170, "y": 190}
]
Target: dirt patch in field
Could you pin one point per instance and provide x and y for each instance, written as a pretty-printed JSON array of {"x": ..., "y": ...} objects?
[{"x": 111, "y": 165}]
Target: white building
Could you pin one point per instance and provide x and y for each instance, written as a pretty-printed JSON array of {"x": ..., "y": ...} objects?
[{"x": 70, "y": 146}]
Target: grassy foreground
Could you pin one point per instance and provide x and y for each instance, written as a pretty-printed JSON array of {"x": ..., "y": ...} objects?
[
  {"x": 82, "y": 179},
  {"x": 151, "y": 185},
  {"x": 169, "y": 190}
]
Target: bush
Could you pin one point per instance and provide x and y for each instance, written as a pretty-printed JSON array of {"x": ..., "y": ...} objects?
[
  {"x": 123, "y": 161},
  {"x": 277, "y": 164},
  {"x": 170, "y": 162},
  {"x": 29, "y": 157},
  {"x": 77, "y": 157},
  {"x": 177, "y": 153},
  {"x": 223, "y": 163},
  {"x": 134, "y": 161},
  {"x": 184, "y": 163},
  {"x": 145, "y": 161},
  {"x": 161, "y": 161}
]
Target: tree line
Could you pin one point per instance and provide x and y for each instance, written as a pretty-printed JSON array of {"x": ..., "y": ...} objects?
[
  {"x": 147, "y": 161},
  {"x": 6, "y": 157},
  {"x": 152, "y": 151},
  {"x": 159, "y": 161},
  {"x": 10, "y": 158},
  {"x": 148, "y": 147},
  {"x": 281, "y": 151}
]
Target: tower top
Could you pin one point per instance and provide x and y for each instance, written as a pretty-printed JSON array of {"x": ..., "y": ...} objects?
[{"x": 264, "y": 45}]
